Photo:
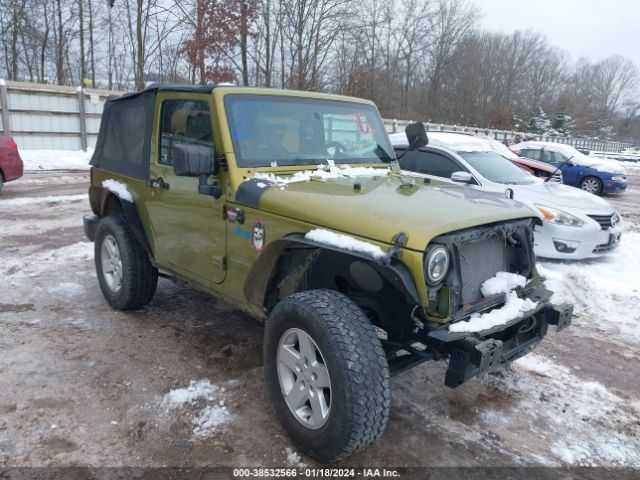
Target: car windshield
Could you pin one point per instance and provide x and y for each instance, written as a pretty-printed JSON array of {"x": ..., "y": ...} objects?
[
  {"x": 273, "y": 130},
  {"x": 501, "y": 149},
  {"x": 497, "y": 169}
]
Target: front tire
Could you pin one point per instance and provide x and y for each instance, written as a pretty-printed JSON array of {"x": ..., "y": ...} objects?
[
  {"x": 326, "y": 373},
  {"x": 127, "y": 278},
  {"x": 591, "y": 185}
]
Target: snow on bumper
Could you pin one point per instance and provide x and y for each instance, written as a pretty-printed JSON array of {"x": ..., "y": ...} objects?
[{"x": 476, "y": 354}]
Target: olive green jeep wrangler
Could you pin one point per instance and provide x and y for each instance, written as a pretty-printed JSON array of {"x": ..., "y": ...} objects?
[{"x": 291, "y": 206}]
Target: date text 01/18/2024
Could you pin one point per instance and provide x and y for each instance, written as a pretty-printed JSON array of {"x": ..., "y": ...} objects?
[{"x": 316, "y": 472}]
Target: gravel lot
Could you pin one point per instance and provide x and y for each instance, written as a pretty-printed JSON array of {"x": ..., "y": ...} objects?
[{"x": 83, "y": 385}]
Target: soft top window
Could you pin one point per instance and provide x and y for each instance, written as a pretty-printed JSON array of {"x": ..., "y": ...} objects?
[{"x": 125, "y": 132}]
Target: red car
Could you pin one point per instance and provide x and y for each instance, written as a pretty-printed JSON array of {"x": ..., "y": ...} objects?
[
  {"x": 534, "y": 167},
  {"x": 11, "y": 167}
]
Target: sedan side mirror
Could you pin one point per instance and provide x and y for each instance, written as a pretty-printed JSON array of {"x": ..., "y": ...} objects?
[{"x": 462, "y": 177}]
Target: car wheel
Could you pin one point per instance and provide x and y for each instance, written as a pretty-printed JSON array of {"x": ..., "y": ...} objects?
[
  {"x": 127, "y": 278},
  {"x": 591, "y": 185},
  {"x": 1, "y": 181},
  {"x": 326, "y": 373}
]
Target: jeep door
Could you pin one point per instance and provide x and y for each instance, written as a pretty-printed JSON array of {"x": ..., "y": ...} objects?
[{"x": 188, "y": 227}]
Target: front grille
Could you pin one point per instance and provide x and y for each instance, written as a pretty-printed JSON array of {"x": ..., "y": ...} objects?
[
  {"x": 480, "y": 261},
  {"x": 605, "y": 221}
]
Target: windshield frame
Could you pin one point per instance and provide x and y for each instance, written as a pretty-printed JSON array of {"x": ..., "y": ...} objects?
[{"x": 372, "y": 117}]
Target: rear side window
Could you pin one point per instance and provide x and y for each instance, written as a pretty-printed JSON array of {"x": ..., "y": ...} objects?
[
  {"x": 530, "y": 153},
  {"x": 429, "y": 163},
  {"x": 183, "y": 122}
]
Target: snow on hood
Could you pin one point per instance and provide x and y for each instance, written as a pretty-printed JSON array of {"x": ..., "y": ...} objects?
[
  {"x": 383, "y": 205},
  {"x": 323, "y": 172},
  {"x": 602, "y": 164},
  {"x": 558, "y": 195}
]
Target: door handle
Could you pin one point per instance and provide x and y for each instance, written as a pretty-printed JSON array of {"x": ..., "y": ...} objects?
[{"x": 158, "y": 183}]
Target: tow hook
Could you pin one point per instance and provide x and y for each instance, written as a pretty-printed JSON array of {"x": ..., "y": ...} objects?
[
  {"x": 560, "y": 316},
  {"x": 490, "y": 352}
]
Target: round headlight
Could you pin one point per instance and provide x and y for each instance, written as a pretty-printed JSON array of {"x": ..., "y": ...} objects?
[{"x": 436, "y": 264}]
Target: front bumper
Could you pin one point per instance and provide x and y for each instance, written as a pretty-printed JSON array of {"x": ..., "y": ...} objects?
[
  {"x": 614, "y": 186},
  {"x": 589, "y": 241},
  {"x": 476, "y": 354}
]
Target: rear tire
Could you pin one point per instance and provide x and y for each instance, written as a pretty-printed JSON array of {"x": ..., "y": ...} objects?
[
  {"x": 591, "y": 185},
  {"x": 127, "y": 278},
  {"x": 343, "y": 344},
  {"x": 1, "y": 181}
]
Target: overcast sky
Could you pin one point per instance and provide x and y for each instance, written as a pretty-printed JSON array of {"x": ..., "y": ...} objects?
[{"x": 591, "y": 28}]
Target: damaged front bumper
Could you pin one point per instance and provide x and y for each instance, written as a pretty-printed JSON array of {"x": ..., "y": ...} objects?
[{"x": 476, "y": 354}]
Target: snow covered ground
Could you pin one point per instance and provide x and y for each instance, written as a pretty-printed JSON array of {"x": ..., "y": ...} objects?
[
  {"x": 55, "y": 159},
  {"x": 605, "y": 292},
  {"x": 180, "y": 382}
]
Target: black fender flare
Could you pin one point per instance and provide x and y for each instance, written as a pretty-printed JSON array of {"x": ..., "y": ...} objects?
[
  {"x": 257, "y": 282},
  {"x": 100, "y": 196}
]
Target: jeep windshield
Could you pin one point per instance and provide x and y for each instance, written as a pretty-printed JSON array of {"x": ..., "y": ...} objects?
[
  {"x": 497, "y": 169},
  {"x": 269, "y": 131}
]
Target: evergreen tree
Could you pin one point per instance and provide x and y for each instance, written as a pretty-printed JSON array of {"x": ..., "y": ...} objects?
[{"x": 563, "y": 124}]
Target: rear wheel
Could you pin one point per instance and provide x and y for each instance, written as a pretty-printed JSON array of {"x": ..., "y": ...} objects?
[
  {"x": 1, "y": 181},
  {"x": 591, "y": 185},
  {"x": 127, "y": 278},
  {"x": 326, "y": 373}
]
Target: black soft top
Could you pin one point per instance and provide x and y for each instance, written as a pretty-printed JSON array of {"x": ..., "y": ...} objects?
[{"x": 124, "y": 139}]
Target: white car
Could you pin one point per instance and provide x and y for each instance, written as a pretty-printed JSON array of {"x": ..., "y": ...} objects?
[{"x": 575, "y": 224}]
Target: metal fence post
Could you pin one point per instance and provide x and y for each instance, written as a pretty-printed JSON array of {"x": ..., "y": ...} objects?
[
  {"x": 4, "y": 106},
  {"x": 83, "y": 119}
]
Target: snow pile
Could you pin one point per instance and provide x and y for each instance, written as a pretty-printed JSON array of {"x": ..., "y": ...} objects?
[
  {"x": 503, "y": 282},
  {"x": 345, "y": 242},
  {"x": 56, "y": 159},
  {"x": 210, "y": 416},
  {"x": 294, "y": 459},
  {"x": 605, "y": 292},
  {"x": 324, "y": 172},
  {"x": 514, "y": 306},
  {"x": 632, "y": 168},
  {"x": 197, "y": 390},
  {"x": 17, "y": 202},
  {"x": 209, "y": 419},
  {"x": 596, "y": 427},
  {"x": 119, "y": 188}
]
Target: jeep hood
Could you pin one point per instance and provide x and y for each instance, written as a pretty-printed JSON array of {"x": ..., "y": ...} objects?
[{"x": 377, "y": 208}]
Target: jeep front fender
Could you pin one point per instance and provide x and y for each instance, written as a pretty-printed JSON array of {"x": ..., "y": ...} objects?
[{"x": 264, "y": 268}]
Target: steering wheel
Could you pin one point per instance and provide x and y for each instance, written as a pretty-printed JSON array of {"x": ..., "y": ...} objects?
[{"x": 337, "y": 146}]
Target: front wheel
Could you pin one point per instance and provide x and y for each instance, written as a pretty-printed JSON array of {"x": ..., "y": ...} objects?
[
  {"x": 591, "y": 185},
  {"x": 326, "y": 373}
]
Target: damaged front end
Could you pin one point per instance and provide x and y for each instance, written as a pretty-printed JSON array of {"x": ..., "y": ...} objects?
[{"x": 475, "y": 256}]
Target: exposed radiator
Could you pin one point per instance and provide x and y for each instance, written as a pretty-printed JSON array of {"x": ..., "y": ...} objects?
[{"x": 480, "y": 261}]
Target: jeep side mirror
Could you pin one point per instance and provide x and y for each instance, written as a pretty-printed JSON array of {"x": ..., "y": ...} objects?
[
  {"x": 197, "y": 161},
  {"x": 416, "y": 135},
  {"x": 194, "y": 160},
  {"x": 461, "y": 177}
]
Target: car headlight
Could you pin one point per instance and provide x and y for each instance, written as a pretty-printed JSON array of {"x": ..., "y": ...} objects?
[
  {"x": 436, "y": 264},
  {"x": 553, "y": 215},
  {"x": 617, "y": 178}
]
